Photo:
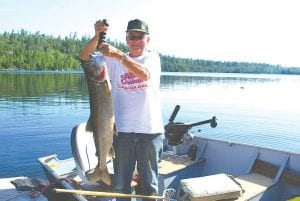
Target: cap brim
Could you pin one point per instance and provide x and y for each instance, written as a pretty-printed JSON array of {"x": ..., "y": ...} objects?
[{"x": 140, "y": 30}]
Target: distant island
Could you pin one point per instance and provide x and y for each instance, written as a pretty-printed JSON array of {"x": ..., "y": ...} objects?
[{"x": 23, "y": 50}]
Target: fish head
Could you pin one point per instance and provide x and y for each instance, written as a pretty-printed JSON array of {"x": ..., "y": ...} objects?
[{"x": 96, "y": 69}]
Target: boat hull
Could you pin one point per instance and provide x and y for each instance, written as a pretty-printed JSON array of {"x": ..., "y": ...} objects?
[{"x": 213, "y": 157}]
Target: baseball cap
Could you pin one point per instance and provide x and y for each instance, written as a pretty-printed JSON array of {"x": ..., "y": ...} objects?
[{"x": 137, "y": 25}]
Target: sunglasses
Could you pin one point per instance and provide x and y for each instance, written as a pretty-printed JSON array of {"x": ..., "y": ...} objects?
[{"x": 135, "y": 38}]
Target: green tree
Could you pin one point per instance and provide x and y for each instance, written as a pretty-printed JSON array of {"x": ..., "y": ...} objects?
[{"x": 24, "y": 50}]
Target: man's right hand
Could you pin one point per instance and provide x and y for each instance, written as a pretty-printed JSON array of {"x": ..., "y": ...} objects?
[{"x": 100, "y": 26}]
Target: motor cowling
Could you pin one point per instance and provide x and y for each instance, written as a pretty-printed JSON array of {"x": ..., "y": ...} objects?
[{"x": 174, "y": 131}]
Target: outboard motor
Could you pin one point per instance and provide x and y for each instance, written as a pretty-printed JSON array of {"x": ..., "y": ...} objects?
[{"x": 174, "y": 131}]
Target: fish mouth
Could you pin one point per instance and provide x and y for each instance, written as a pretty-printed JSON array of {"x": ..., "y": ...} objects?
[
  {"x": 96, "y": 73},
  {"x": 102, "y": 75}
]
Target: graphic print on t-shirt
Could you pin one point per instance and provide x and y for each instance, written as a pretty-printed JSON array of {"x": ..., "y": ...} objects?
[{"x": 130, "y": 82}]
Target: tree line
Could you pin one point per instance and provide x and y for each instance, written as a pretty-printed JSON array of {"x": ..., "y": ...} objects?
[{"x": 36, "y": 51}]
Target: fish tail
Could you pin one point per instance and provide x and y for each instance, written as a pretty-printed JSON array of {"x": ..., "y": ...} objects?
[
  {"x": 105, "y": 177},
  {"x": 94, "y": 176},
  {"x": 99, "y": 174}
]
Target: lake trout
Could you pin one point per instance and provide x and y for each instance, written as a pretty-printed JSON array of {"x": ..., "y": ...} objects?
[{"x": 101, "y": 121}]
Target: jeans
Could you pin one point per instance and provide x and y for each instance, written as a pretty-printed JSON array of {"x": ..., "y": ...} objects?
[{"x": 140, "y": 150}]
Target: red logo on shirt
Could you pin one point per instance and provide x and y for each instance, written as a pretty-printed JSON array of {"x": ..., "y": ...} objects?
[{"x": 131, "y": 83}]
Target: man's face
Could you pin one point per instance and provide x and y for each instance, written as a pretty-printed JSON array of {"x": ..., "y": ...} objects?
[{"x": 137, "y": 42}]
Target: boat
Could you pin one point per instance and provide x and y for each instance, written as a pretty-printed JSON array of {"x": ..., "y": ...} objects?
[
  {"x": 21, "y": 189},
  {"x": 198, "y": 168}
]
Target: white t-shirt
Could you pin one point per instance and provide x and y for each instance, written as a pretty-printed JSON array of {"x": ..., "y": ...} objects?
[{"x": 137, "y": 103}]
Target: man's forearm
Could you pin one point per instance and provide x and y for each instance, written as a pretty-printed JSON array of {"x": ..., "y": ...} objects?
[
  {"x": 136, "y": 68},
  {"x": 88, "y": 49}
]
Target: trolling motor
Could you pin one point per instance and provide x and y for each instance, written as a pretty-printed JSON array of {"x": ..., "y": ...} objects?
[{"x": 174, "y": 131}]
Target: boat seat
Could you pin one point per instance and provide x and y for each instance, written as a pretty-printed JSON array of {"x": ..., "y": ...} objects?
[
  {"x": 222, "y": 186},
  {"x": 262, "y": 176},
  {"x": 209, "y": 188},
  {"x": 254, "y": 184},
  {"x": 84, "y": 151}
]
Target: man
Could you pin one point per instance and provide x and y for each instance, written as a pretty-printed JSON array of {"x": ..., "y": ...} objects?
[{"x": 135, "y": 78}]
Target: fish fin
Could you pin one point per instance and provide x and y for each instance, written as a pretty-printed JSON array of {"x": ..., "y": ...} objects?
[
  {"x": 89, "y": 126},
  {"x": 107, "y": 87},
  {"x": 111, "y": 153},
  {"x": 105, "y": 177},
  {"x": 115, "y": 130}
]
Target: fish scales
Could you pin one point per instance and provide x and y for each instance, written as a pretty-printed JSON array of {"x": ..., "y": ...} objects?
[{"x": 101, "y": 121}]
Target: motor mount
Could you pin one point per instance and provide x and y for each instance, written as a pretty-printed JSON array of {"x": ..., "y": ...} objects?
[{"x": 174, "y": 131}]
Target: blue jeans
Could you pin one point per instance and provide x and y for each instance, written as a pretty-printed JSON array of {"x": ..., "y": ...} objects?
[{"x": 142, "y": 150}]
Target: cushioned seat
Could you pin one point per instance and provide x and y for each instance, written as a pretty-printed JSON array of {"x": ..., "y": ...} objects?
[
  {"x": 209, "y": 188},
  {"x": 222, "y": 186}
]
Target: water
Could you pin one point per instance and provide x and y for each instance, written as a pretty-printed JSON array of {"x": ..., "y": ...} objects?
[{"x": 39, "y": 110}]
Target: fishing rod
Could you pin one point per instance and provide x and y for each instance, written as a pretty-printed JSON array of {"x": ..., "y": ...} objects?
[{"x": 168, "y": 194}]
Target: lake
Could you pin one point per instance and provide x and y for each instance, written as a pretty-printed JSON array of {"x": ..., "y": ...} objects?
[{"x": 39, "y": 110}]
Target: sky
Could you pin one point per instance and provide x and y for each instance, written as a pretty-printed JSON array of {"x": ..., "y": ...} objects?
[{"x": 260, "y": 31}]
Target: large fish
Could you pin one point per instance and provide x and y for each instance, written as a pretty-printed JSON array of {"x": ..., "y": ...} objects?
[{"x": 101, "y": 121}]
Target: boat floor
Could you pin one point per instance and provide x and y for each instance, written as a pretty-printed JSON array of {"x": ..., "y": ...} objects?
[
  {"x": 9, "y": 192},
  {"x": 169, "y": 163}
]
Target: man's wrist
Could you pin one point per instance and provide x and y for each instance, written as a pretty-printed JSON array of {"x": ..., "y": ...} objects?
[{"x": 123, "y": 58}]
